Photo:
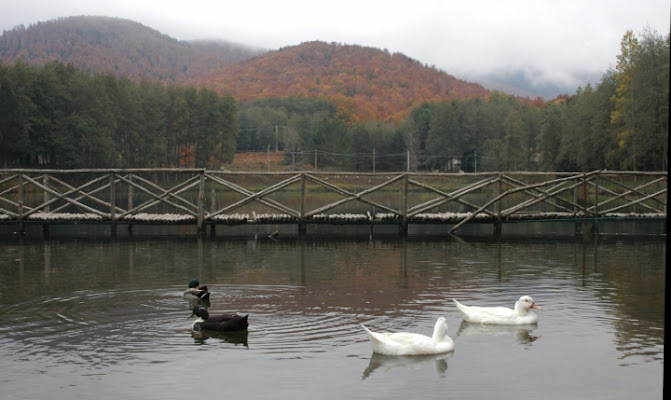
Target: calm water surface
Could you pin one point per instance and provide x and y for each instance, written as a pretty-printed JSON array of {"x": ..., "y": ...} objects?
[{"x": 105, "y": 318}]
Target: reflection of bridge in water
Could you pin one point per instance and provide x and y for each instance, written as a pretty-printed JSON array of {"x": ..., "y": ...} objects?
[{"x": 209, "y": 198}]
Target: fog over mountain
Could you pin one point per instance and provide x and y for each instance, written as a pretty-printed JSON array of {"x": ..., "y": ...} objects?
[{"x": 540, "y": 47}]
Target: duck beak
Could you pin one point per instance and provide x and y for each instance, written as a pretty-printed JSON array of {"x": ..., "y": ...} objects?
[
  {"x": 191, "y": 316},
  {"x": 535, "y": 306}
]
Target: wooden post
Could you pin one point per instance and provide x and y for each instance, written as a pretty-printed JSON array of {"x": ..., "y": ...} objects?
[
  {"x": 302, "y": 228},
  {"x": 112, "y": 205},
  {"x": 213, "y": 209},
  {"x": 45, "y": 182},
  {"x": 577, "y": 225},
  {"x": 596, "y": 197},
  {"x": 46, "y": 228},
  {"x": 130, "y": 202},
  {"x": 585, "y": 228},
  {"x": 497, "y": 223},
  {"x": 403, "y": 229},
  {"x": 595, "y": 224},
  {"x": 20, "y": 210},
  {"x": 575, "y": 201},
  {"x": 201, "y": 203}
]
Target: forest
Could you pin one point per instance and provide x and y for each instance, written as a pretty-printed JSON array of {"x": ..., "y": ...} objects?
[{"x": 58, "y": 116}]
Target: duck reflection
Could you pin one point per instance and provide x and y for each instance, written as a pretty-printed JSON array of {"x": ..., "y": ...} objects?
[
  {"x": 236, "y": 338},
  {"x": 522, "y": 332},
  {"x": 386, "y": 363}
]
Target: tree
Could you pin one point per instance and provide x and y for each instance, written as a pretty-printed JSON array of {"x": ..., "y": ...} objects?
[
  {"x": 16, "y": 108},
  {"x": 444, "y": 142},
  {"x": 415, "y": 132},
  {"x": 650, "y": 84},
  {"x": 514, "y": 141},
  {"x": 624, "y": 112},
  {"x": 552, "y": 120}
]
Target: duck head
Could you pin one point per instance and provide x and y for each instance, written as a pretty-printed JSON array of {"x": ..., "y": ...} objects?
[
  {"x": 440, "y": 329},
  {"x": 524, "y": 304},
  {"x": 194, "y": 283}
]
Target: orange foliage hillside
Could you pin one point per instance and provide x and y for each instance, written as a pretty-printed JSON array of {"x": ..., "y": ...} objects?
[
  {"x": 364, "y": 82},
  {"x": 369, "y": 83}
]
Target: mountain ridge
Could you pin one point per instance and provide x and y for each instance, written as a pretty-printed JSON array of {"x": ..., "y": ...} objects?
[
  {"x": 366, "y": 82},
  {"x": 114, "y": 45}
]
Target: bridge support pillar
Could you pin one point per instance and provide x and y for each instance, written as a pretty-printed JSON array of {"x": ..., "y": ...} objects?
[
  {"x": 403, "y": 229},
  {"x": 497, "y": 228}
]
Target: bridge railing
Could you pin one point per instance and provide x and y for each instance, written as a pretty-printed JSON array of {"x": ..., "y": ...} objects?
[{"x": 205, "y": 197}]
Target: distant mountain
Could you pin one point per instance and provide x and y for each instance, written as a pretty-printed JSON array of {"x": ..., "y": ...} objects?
[
  {"x": 119, "y": 46},
  {"x": 368, "y": 83}
]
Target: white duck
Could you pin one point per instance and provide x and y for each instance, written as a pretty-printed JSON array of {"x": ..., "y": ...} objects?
[
  {"x": 521, "y": 315},
  {"x": 409, "y": 344}
]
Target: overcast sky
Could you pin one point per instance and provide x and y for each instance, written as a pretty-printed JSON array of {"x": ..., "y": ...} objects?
[{"x": 554, "y": 40}]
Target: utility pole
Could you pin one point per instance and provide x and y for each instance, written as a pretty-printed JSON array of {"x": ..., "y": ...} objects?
[
  {"x": 276, "y": 145},
  {"x": 373, "y": 159}
]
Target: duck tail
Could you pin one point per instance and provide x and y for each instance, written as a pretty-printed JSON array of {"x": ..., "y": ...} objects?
[
  {"x": 372, "y": 335},
  {"x": 460, "y": 306}
]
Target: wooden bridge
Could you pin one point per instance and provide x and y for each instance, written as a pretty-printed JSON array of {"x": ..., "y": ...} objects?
[{"x": 209, "y": 198}]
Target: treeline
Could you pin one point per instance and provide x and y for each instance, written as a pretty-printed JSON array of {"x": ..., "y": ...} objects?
[
  {"x": 57, "y": 116},
  {"x": 491, "y": 133},
  {"x": 621, "y": 124}
]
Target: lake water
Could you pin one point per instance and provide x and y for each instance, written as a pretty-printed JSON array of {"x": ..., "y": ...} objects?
[{"x": 104, "y": 318}]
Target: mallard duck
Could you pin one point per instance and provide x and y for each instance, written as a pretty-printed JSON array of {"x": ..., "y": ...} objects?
[
  {"x": 218, "y": 323},
  {"x": 195, "y": 291},
  {"x": 409, "y": 344},
  {"x": 521, "y": 315}
]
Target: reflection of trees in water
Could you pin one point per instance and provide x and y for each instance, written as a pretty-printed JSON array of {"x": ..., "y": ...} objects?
[
  {"x": 632, "y": 277},
  {"x": 623, "y": 277}
]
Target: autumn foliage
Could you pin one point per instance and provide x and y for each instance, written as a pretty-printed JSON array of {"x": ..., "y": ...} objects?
[
  {"x": 367, "y": 83},
  {"x": 98, "y": 91}
]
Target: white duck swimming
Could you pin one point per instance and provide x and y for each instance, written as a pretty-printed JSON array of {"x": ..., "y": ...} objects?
[
  {"x": 409, "y": 344},
  {"x": 521, "y": 315}
]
